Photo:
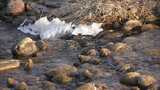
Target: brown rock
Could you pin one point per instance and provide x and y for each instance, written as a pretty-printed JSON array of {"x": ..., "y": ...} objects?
[
  {"x": 130, "y": 79},
  {"x": 89, "y": 59},
  {"x": 22, "y": 86},
  {"x": 62, "y": 73},
  {"x": 127, "y": 68},
  {"x": 120, "y": 47},
  {"x": 129, "y": 25},
  {"x": 88, "y": 74},
  {"x": 29, "y": 64},
  {"x": 26, "y": 47},
  {"x": 16, "y": 7},
  {"x": 9, "y": 64},
  {"x": 146, "y": 81},
  {"x": 42, "y": 45},
  {"x": 11, "y": 82},
  {"x": 92, "y": 52},
  {"x": 147, "y": 27},
  {"x": 88, "y": 86},
  {"x": 104, "y": 52}
]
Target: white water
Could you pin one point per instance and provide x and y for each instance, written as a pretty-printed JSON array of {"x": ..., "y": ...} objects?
[{"x": 56, "y": 28}]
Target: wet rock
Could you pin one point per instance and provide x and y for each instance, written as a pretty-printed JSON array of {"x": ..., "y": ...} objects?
[
  {"x": 92, "y": 86},
  {"x": 147, "y": 27},
  {"x": 15, "y": 7},
  {"x": 92, "y": 52},
  {"x": 101, "y": 87},
  {"x": 29, "y": 65},
  {"x": 145, "y": 81},
  {"x": 42, "y": 45},
  {"x": 129, "y": 25},
  {"x": 88, "y": 74},
  {"x": 120, "y": 47},
  {"x": 104, "y": 52},
  {"x": 135, "y": 88},
  {"x": 89, "y": 59},
  {"x": 73, "y": 44},
  {"x": 130, "y": 79},
  {"x": 22, "y": 86},
  {"x": 88, "y": 86},
  {"x": 11, "y": 82},
  {"x": 63, "y": 74},
  {"x": 26, "y": 47},
  {"x": 9, "y": 64},
  {"x": 127, "y": 68},
  {"x": 47, "y": 85}
]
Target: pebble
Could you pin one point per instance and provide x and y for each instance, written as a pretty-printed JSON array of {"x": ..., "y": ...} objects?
[
  {"x": 92, "y": 52},
  {"x": 87, "y": 86},
  {"x": 42, "y": 45},
  {"x": 104, "y": 52},
  {"x": 120, "y": 47},
  {"x": 11, "y": 82},
  {"x": 89, "y": 59}
]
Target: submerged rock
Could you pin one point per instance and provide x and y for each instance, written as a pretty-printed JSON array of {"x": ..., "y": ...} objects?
[
  {"x": 145, "y": 81},
  {"x": 26, "y": 47},
  {"x": 29, "y": 65},
  {"x": 130, "y": 79},
  {"x": 42, "y": 45},
  {"x": 88, "y": 86},
  {"x": 89, "y": 59},
  {"x": 92, "y": 52},
  {"x": 92, "y": 86},
  {"x": 11, "y": 82},
  {"x": 9, "y": 64},
  {"x": 120, "y": 47},
  {"x": 63, "y": 74},
  {"x": 104, "y": 52},
  {"x": 22, "y": 86}
]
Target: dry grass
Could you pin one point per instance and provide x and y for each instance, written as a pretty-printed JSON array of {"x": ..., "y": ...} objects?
[{"x": 119, "y": 10}]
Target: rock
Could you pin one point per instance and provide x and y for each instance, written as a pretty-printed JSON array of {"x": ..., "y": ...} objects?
[
  {"x": 89, "y": 59},
  {"x": 88, "y": 74},
  {"x": 147, "y": 27},
  {"x": 104, "y": 52},
  {"x": 11, "y": 82},
  {"x": 92, "y": 52},
  {"x": 29, "y": 65},
  {"x": 129, "y": 25},
  {"x": 120, "y": 47},
  {"x": 22, "y": 86},
  {"x": 42, "y": 45},
  {"x": 92, "y": 86},
  {"x": 145, "y": 81},
  {"x": 130, "y": 79},
  {"x": 127, "y": 68},
  {"x": 135, "y": 88},
  {"x": 62, "y": 73},
  {"x": 9, "y": 64},
  {"x": 47, "y": 85},
  {"x": 26, "y": 47},
  {"x": 15, "y": 7},
  {"x": 87, "y": 86}
]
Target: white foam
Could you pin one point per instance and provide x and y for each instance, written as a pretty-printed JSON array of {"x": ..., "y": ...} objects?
[{"x": 56, "y": 28}]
